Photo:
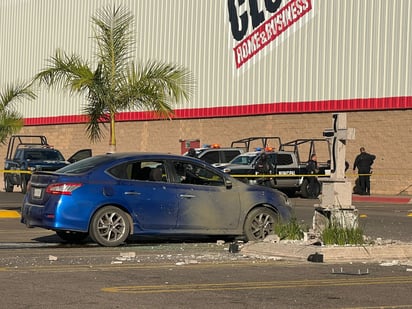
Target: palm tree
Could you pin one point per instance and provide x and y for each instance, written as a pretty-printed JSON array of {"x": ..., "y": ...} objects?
[
  {"x": 117, "y": 84},
  {"x": 11, "y": 121}
]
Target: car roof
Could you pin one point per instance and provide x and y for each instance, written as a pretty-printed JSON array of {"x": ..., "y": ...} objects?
[
  {"x": 254, "y": 153},
  {"x": 158, "y": 155},
  {"x": 208, "y": 149},
  {"x": 150, "y": 155}
]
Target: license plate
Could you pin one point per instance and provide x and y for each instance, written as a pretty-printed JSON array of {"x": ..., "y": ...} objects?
[{"x": 37, "y": 192}]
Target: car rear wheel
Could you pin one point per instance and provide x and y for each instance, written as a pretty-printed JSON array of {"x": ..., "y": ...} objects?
[
  {"x": 72, "y": 237},
  {"x": 8, "y": 186},
  {"x": 110, "y": 226},
  {"x": 259, "y": 223}
]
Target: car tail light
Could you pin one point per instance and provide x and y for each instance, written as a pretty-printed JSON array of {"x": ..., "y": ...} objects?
[{"x": 63, "y": 188}]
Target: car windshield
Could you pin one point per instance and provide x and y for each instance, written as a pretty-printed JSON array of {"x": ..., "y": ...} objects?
[
  {"x": 244, "y": 159},
  {"x": 85, "y": 165},
  {"x": 43, "y": 155}
]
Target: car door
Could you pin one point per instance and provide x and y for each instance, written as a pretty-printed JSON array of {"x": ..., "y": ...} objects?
[
  {"x": 286, "y": 168},
  {"x": 205, "y": 203},
  {"x": 151, "y": 201},
  {"x": 80, "y": 155}
]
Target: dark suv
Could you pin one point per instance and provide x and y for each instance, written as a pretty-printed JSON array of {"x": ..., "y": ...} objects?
[{"x": 29, "y": 153}]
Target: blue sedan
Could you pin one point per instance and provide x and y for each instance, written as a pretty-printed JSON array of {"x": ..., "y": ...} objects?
[{"x": 110, "y": 197}]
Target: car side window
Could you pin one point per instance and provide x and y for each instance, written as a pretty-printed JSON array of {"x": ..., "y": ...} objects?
[
  {"x": 211, "y": 157},
  {"x": 284, "y": 159},
  {"x": 196, "y": 175},
  {"x": 140, "y": 170},
  {"x": 230, "y": 154}
]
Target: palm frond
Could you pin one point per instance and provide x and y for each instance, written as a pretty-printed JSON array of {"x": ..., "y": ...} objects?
[
  {"x": 66, "y": 71},
  {"x": 175, "y": 81},
  {"x": 10, "y": 123},
  {"x": 98, "y": 116},
  {"x": 97, "y": 109},
  {"x": 115, "y": 40},
  {"x": 158, "y": 86},
  {"x": 13, "y": 93}
]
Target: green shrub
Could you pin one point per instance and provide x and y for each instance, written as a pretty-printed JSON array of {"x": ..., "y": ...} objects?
[
  {"x": 290, "y": 230},
  {"x": 337, "y": 235}
]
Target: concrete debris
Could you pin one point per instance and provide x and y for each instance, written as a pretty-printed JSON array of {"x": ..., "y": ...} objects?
[
  {"x": 272, "y": 239},
  {"x": 392, "y": 263},
  {"x": 126, "y": 256},
  {"x": 274, "y": 258},
  {"x": 191, "y": 262}
]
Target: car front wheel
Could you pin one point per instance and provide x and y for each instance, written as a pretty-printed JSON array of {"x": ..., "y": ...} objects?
[
  {"x": 110, "y": 226},
  {"x": 259, "y": 223}
]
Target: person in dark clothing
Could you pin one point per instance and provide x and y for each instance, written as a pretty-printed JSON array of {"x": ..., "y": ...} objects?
[
  {"x": 192, "y": 153},
  {"x": 312, "y": 168},
  {"x": 264, "y": 167},
  {"x": 363, "y": 162}
]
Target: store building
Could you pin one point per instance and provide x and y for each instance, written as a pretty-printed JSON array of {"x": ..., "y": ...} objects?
[{"x": 262, "y": 67}]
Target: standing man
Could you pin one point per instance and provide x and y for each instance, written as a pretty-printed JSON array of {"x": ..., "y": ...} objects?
[
  {"x": 264, "y": 167},
  {"x": 312, "y": 168},
  {"x": 363, "y": 163}
]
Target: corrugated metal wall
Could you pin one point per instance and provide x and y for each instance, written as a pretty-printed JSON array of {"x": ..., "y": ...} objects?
[{"x": 344, "y": 50}]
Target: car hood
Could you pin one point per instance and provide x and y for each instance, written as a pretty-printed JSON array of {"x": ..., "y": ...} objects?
[{"x": 236, "y": 167}]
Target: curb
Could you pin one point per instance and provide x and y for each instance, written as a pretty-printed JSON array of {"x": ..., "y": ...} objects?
[
  {"x": 9, "y": 214},
  {"x": 301, "y": 252},
  {"x": 382, "y": 199}
]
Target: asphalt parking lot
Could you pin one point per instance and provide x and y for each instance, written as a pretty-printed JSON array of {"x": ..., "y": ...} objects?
[{"x": 37, "y": 271}]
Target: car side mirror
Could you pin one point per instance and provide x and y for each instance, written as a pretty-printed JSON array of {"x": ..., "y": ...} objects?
[{"x": 228, "y": 184}]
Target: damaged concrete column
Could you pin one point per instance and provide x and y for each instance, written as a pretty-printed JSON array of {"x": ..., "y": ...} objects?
[{"x": 336, "y": 200}]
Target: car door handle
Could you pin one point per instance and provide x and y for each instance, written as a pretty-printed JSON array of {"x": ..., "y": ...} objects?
[
  {"x": 132, "y": 193},
  {"x": 187, "y": 196}
]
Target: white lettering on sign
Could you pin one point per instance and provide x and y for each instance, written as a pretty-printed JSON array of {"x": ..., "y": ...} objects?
[
  {"x": 286, "y": 173},
  {"x": 264, "y": 31}
]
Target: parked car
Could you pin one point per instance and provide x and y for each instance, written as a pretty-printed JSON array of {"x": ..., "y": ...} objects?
[
  {"x": 291, "y": 174},
  {"x": 216, "y": 155},
  {"x": 112, "y": 196},
  {"x": 29, "y": 153}
]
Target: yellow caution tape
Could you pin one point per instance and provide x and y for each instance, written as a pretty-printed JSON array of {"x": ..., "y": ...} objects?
[
  {"x": 290, "y": 175},
  {"x": 16, "y": 171}
]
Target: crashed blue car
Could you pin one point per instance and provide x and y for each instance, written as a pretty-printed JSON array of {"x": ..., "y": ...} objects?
[{"x": 113, "y": 196}]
